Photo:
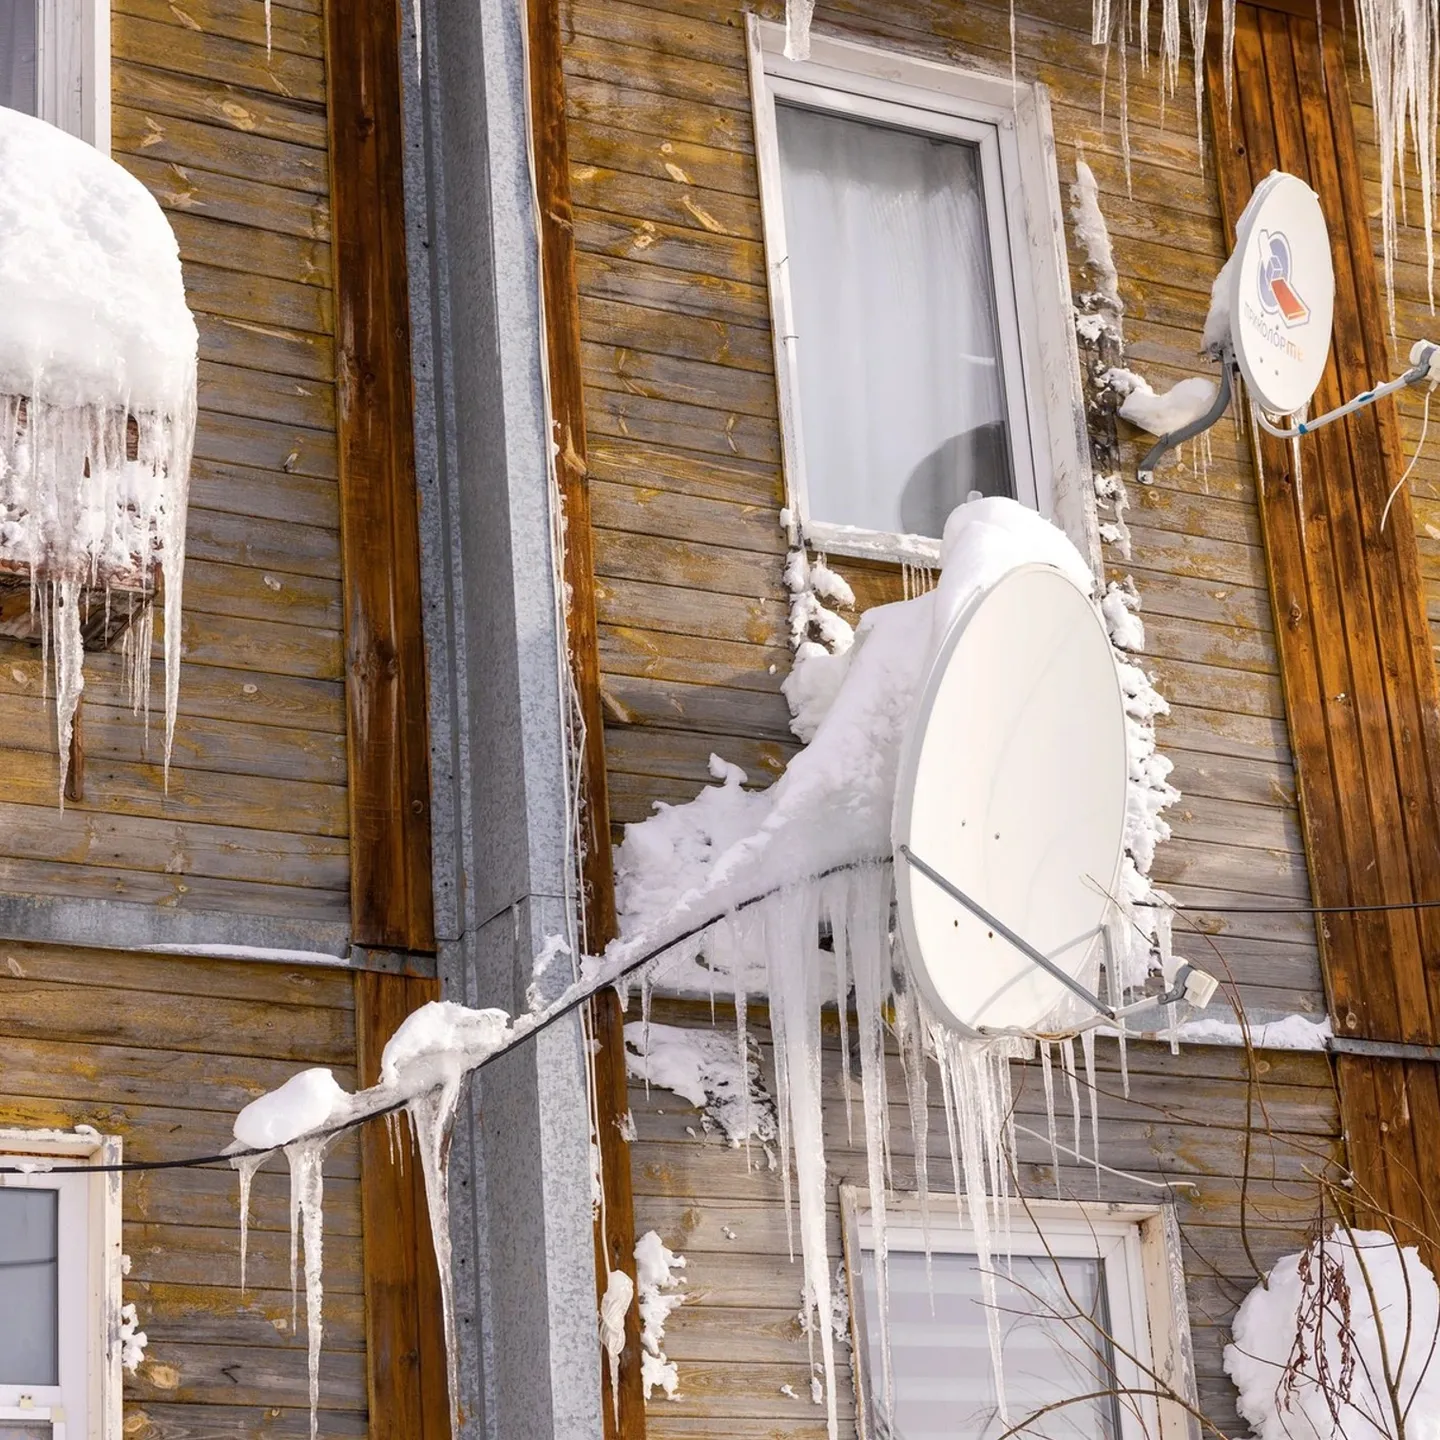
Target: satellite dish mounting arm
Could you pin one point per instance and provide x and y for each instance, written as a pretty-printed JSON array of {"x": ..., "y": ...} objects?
[
  {"x": 1424, "y": 368},
  {"x": 1196, "y": 427}
]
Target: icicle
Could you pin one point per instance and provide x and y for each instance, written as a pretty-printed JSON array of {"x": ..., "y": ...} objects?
[
  {"x": 307, "y": 1190},
  {"x": 909, "y": 1032},
  {"x": 431, "y": 1116},
  {"x": 614, "y": 1305},
  {"x": 69, "y": 666},
  {"x": 267, "y": 31},
  {"x": 1047, "y": 1076},
  {"x": 1125, "y": 102},
  {"x": 867, "y": 948},
  {"x": 771, "y": 912},
  {"x": 798, "y": 14},
  {"x": 836, "y": 917},
  {"x": 245, "y": 1167},
  {"x": 792, "y": 940},
  {"x": 1087, "y": 1048},
  {"x": 1067, "y": 1061},
  {"x": 1124, "y": 1061},
  {"x": 645, "y": 993},
  {"x": 1227, "y": 51}
]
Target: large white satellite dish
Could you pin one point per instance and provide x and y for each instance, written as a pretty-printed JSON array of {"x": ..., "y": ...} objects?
[
  {"x": 1282, "y": 294},
  {"x": 1012, "y": 789}
]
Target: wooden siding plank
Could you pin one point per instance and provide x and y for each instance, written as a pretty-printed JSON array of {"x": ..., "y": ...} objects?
[
  {"x": 220, "y": 149},
  {"x": 192, "y": 97},
  {"x": 292, "y": 27},
  {"x": 385, "y": 659},
  {"x": 232, "y": 390},
  {"x": 251, "y": 204},
  {"x": 265, "y": 347},
  {"x": 170, "y": 44}
]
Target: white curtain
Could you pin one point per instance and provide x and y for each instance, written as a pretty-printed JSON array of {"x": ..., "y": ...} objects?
[
  {"x": 29, "y": 1287},
  {"x": 1054, "y": 1340},
  {"x": 901, "y": 396},
  {"x": 17, "y": 55}
]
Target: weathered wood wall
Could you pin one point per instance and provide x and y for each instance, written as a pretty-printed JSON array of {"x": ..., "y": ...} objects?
[
  {"x": 232, "y": 141},
  {"x": 684, "y": 448},
  {"x": 737, "y": 1339},
  {"x": 163, "y": 1052}
]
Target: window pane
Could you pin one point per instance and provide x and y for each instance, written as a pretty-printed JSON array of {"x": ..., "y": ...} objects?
[
  {"x": 17, "y": 55},
  {"x": 30, "y": 1284},
  {"x": 26, "y": 1430},
  {"x": 901, "y": 395},
  {"x": 944, "y": 1381}
]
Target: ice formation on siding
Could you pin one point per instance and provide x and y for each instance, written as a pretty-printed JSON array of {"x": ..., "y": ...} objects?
[
  {"x": 1400, "y": 41},
  {"x": 798, "y": 14},
  {"x": 1319, "y": 1344},
  {"x": 802, "y": 840},
  {"x": 421, "y": 1071},
  {"x": 133, "y": 1339},
  {"x": 659, "y": 1290},
  {"x": 95, "y": 337},
  {"x": 760, "y": 877},
  {"x": 709, "y": 1071}
]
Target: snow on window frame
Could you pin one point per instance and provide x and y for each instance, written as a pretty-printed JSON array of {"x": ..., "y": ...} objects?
[
  {"x": 94, "y": 1332},
  {"x": 1139, "y": 1245},
  {"x": 934, "y": 96}
]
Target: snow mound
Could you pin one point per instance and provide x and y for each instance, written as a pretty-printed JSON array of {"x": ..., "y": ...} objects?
[
  {"x": 1162, "y": 414},
  {"x": 833, "y": 804},
  {"x": 95, "y": 309},
  {"x": 1307, "y": 1356},
  {"x": 97, "y": 359},
  {"x": 703, "y": 1067},
  {"x": 303, "y": 1103},
  {"x": 439, "y": 1042}
]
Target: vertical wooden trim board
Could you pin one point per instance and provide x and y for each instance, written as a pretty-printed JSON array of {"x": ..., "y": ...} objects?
[
  {"x": 1356, "y": 666},
  {"x": 624, "y": 1411},
  {"x": 404, "y": 1332},
  {"x": 388, "y": 742}
]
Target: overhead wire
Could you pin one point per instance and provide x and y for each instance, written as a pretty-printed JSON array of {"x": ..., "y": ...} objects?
[
  {"x": 564, "y": 1006},
  {"x": 569, "y": 1003}
]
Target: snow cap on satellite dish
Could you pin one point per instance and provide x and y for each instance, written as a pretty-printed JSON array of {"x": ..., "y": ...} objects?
[
  {"x": 1012, "y": 787},
  {"x": 1282, "y": 294}
]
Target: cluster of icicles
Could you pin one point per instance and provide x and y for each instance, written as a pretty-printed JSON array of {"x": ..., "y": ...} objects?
[
  {"x": 426, "y": 1062},
  {"x": 850, "y": 912},
  {"x": 1399, "y": 50},
  {"x": 81, "y": 516}
]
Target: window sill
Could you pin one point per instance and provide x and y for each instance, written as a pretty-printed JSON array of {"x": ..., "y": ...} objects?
[{"x": 872, "y": 544}]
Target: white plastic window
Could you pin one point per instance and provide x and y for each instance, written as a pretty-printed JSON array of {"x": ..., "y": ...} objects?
[
  {"x": 919, "y": 294},
  {"x": 60, "y": 1284},
  {"x": 1087, "y": 1308},
  {"x": 55, "y": 63}
]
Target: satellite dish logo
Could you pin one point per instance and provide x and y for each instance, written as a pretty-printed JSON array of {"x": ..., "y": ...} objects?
[{"x": 1277, "y": 292}]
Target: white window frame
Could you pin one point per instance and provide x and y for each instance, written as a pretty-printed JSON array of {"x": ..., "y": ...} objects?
[
  {"x": 1045, "y": 400},
  {"x": 1139, "y": 1246},
  {"x": 86, "y": 1405},
  {"x": 72, "y": 70}
]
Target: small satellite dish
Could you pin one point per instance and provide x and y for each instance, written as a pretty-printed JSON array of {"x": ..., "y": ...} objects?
[
  {"x": 1282, "y": 294},
  {"x": 1012, "y": 787}
]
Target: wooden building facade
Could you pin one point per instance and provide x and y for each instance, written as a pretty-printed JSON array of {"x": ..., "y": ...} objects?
[
  {"x": 1282, "y": 625},
  {"x": 304, "y": 881},
  {"x": 171, "y": 952}
]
